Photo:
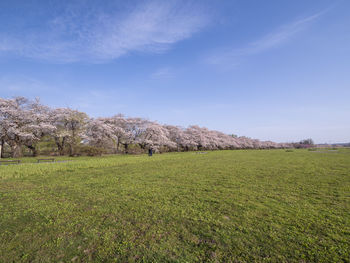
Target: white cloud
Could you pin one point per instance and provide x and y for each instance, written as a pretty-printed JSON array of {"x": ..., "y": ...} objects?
[
  {"x": 232, "y": 57},
  {"x": 83, "y": 33}
]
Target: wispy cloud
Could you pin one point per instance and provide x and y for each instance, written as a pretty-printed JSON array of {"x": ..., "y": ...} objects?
[
  {"x": 16, "y": 84},
  {"x": 86, "y": 33},
  {"x": 231, "y": 57},
  {"x": 94, "y": 102},
  {"x": 163, "y": 73}
]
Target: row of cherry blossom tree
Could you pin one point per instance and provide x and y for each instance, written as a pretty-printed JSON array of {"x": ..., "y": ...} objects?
[{"x": 24, "y": 123}]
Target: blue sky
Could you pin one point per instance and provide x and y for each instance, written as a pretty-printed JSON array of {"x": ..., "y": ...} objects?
[{"x": 274, "y": 70}]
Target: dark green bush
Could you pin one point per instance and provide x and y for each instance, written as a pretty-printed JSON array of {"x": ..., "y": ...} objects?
[
  {"x": 88, "y": 150},
  {"x": 312, "y": 149}
]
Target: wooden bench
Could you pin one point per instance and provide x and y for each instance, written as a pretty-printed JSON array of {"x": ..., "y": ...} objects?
[
  {"x": 7, "y": 162},
  {"x": 52, "y": 160}
]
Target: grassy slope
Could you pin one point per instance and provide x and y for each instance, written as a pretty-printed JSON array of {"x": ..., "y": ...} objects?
[{"x": 221, "y": 206}]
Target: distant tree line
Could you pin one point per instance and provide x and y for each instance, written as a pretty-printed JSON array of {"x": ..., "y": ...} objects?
[
  {"x": 29, "y": 126},
  {"x": 307, "y": 143}
]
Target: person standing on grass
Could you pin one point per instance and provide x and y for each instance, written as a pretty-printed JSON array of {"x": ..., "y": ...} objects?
[{"x": 150, "y": 152}]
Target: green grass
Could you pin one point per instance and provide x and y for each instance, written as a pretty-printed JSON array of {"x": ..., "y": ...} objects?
[{"x": 223, "y": 206}]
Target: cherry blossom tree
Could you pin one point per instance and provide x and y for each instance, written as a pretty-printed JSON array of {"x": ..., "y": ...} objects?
[
  {"x": 100, "y": 133},
  {"x": 23, "y": 123},
  {"x": 197, "y": 137},
  {"x": 133, "y": 132},
  {"x": 2, "y": 128},
  {"x": 2, "y": 141},
  {"x": 70, "y": 128},
  {"x": 176, "y": 135},
  {"x": 118, "y": 125},
  {"x": 41, "y": 124},
  {"x": 154, "y": 135},
  {"x": 14, "y": 123}
]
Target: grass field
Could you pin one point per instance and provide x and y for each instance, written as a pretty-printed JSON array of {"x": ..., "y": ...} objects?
[{"x": 223, "y": 206}]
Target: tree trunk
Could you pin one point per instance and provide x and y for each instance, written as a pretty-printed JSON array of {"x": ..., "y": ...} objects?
[
  {"x": 60, "y": 149},
  {"x": 116, "y": 150},
  {"x": 142, "y": 146},
  {"x": 60, "y": 145},
  {"x": 72, "y": 144},
  {"x": 126, "y": 147},
  {"x": 17, "y": 151},
  {"x": 71, "y": 149},
  {"x": 34, "y": 150},
  {"x": 1, "y": 148}
]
